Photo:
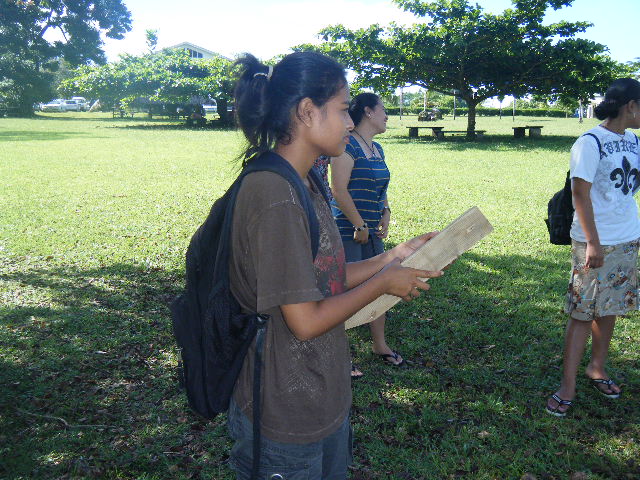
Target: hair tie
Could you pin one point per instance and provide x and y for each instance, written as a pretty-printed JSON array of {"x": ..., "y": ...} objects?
[{"x": 268, "y": 75}]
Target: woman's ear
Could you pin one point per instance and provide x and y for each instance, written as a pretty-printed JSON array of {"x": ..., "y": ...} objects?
[{"x": 306, "y": 111}]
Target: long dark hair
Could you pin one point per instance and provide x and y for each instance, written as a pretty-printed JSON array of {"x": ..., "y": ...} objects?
[
  {"x": 358, "y": 104},
  {"x": 266, "y": 97},
  {"x": 619, "y": 93}
]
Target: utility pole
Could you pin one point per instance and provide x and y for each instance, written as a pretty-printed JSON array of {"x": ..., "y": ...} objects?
[
  {"x": 454, "y": 103},
  {"x": 580, "y": 110}
]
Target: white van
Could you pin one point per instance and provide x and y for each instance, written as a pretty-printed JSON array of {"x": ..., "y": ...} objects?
[{"x": 83, "y": 105}]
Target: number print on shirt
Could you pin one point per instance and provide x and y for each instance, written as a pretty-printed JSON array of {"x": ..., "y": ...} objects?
[{"x": 626, "y": 177}]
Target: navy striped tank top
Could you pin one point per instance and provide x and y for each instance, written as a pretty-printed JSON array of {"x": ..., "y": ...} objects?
[{"x": 367, "y": 187}]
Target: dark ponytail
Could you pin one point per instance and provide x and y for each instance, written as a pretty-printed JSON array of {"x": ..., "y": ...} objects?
[
  {"x": 621, "y": 92},
  {"x": 266, "y": 98},
  {"x": 358, "y": 104}
]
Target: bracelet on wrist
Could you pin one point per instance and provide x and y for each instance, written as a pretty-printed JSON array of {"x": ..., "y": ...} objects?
[{"x": 360, "y": 229}]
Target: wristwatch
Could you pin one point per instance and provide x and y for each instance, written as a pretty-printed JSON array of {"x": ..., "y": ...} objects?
[{"x": 359, "y": 229}]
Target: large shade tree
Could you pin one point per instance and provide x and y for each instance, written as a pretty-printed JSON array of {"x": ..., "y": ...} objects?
[
  {"x": 169, "y": 76},
  {"x": 35, "y": 35},
  {"x": 459, "y": 48}
]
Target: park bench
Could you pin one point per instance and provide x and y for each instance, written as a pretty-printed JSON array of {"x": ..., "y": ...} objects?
[
  {"x": 442, "y": 133},
  {"x": 534, "y": 131},
  {"x": 8, "y": 111},
  {"x": 119, "y": 112},
  {"x": 413, "y": 131}
]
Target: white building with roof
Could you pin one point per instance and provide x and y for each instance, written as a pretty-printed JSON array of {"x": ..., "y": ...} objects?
[{"x": 196, "y": 51}]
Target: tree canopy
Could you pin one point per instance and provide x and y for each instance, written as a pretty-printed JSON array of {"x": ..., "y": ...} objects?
[
  {"x": 169, "y": 76},
  {"x": 475, "y": 54},
  {"x": 28, "y": 56}
]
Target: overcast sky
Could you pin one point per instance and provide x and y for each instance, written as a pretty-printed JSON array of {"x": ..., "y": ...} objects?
[{"x": 270, "y": 27}]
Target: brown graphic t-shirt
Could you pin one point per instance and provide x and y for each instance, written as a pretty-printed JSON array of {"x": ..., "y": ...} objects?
[{"x": 306, "y": 387}]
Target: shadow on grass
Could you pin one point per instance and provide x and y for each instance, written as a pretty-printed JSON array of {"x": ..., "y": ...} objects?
[
  {"x": 484, "y": 348},
  {"x": 183, "y": 126},
  {"x": 74, "y": 118},
  {"x": 30, "y": 135},
  {"x": 140, "y": 119},
  {"x": 559, "y": 143},
  {"x": 141, "y": 122},
  {"x": 89, "y": 360},
  {"x": 94, "y": 392}
]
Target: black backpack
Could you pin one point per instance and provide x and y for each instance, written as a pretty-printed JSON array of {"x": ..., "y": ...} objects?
[
  {"x": 560, "y": 215},
  {"x": 211, "y": 330},
  {"x": 560, "y": 211}
]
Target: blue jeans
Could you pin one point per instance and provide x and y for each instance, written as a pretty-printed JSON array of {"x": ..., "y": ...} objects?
[
  {"x": 326, "y": 459},
  {"x": 354, "y": 252}
]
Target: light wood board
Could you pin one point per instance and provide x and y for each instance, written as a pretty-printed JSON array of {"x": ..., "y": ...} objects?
[{"x": 458, "y": 237}]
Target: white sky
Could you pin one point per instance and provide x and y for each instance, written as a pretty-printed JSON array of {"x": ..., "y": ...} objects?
[{"x": 270, "y": 27}]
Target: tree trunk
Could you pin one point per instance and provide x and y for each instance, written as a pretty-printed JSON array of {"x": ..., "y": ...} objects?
[
  {"x": 226, "y": 118},
  {"x": 23, "y": 109},
  {"x": 471, "y": 119}
]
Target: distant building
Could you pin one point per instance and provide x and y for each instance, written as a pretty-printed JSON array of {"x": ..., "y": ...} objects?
[
  {"x": 195, "y": 51},
  {"x": 592, "y": 105}
]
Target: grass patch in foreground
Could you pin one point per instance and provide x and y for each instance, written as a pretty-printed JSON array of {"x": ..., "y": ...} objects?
[{"x": 96, "y": 215}]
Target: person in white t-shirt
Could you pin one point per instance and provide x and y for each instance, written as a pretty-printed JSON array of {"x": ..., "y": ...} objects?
[{"x": 605, "y": 174}]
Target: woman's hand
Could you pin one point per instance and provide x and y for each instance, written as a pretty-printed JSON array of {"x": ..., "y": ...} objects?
[
  {"x": 405, "y": 249},
  {"x": 361, "y": 236},
  {"x": 594, "y": 255},
  {"x": 405, "y": 282},
  {"x": 383, "y": 226}
]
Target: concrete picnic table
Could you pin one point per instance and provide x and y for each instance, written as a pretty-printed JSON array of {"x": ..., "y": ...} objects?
[
  {"x": 435, "y": 130},
  {"x": 442, "y": 133},
  {"x": 534, "y": 131}
]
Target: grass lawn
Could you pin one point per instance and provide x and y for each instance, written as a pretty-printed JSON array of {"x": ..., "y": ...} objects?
[{"x": 95, "y": 217}]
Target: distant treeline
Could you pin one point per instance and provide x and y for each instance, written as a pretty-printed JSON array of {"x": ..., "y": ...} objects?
[{"x": 486, "y": 112}]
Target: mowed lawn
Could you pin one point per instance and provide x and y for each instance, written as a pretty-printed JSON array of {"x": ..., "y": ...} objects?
[{"x": 95, "y": 217}]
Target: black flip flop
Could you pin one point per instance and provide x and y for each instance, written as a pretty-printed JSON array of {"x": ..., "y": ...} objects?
[
  {"x": 596, "y": 382},
  {"x": 354, "y": 374},
  {"x": 554, "y": 411},
  {"x": 394, "y": 355}
]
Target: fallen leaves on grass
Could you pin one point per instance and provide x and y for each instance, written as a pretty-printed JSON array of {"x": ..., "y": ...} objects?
[{"x": 579, "y": 476}]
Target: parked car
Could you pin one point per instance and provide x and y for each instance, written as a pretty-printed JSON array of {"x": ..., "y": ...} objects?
[
  {"x": 72, "y": 106},
  {"x": 62, "y": 105},
  {"x": 56, "y": 105},
  {"x": 84, "y": 105},
  {"x": 210, "y": 108}
]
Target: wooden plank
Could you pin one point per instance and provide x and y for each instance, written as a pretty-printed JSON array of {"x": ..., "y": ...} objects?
[{"x": 458, "y": 237}]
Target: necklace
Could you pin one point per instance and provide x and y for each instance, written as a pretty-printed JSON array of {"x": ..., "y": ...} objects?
[
  {"x": 621, "y": 135},
  {"x": 370, "y": 147}
]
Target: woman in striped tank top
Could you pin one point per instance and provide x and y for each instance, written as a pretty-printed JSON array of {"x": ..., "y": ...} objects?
[{"x": 359, "y": 181}]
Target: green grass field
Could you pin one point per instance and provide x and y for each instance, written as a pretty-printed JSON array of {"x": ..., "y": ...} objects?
[{"x": 95, "y": 217}]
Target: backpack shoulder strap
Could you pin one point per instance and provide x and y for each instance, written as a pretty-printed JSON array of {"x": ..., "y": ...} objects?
[
  {"x": 222, "y": 255},
  {"x": 316, "y": 178},
  {"x": 598, "y": 141},
  {"x": 272, "y": 162}
]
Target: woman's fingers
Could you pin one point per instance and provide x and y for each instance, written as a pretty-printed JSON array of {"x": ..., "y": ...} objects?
[
  {"x": 594, "y": 262},
  {"x": 415, "y": 290},
  {"x": 428, "y": 236},
  {"x": 427, "y": 273}
]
